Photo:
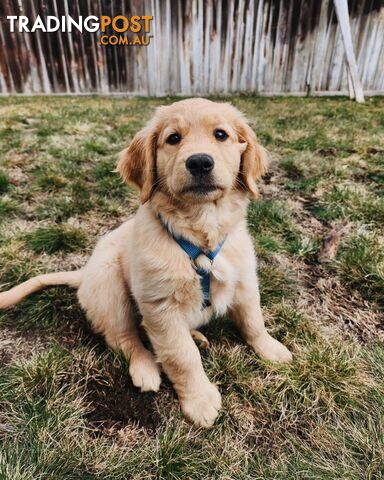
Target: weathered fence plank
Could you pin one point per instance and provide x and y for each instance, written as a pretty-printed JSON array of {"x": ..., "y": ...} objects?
[
  {"x": 198, "y": 47},
  {"x": 341, "y": 7}
]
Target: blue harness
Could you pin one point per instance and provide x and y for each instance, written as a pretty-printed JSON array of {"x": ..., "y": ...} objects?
[{"x": 193, "y": 252}]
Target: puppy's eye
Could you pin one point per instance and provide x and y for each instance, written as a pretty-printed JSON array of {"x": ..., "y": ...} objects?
[
  {"x": 174, "y": 138},
  {"x": 220, "y": 135}
]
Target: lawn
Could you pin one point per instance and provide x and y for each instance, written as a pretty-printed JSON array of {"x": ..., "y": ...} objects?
[{"x": 68, "y": 409}]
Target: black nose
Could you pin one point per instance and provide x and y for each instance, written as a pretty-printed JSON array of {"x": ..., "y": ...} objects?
[{"x": 199, "y": 164}]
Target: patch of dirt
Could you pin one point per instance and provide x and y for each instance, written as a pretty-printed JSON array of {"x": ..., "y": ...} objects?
[
  {"x": 78, "y": 331},
  {"x": 323, "y": 296},
  {"x": 72, "y": 330},
  {"x": 65, "y": 261},
  {"x": 327, "y": 152},
  {"x": 17, "y": 176},
  {"x": 263, "y": 429},
  {"x": 116, "y": 404},
  {"x": 18, "y": 345},
  {"x": 327, "y": 299},
  {"x": 331, "y": 242}
]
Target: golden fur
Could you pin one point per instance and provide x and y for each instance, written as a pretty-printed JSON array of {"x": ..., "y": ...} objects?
[{"x": 141, "y": 260}]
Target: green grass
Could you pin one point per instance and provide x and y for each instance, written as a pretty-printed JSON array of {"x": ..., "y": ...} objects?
[
  {"x": 67, "y": 406},
  {"x": 270, "y": 222},
  {"x": 56, "y": 238},
  {"x": 75, "y": 201},
  {"x": 361, "y": 264},
  {"x": 343, "y": 202},
  {"x": 4, "y": 182},
  {"x": 49, "y": 181},
  {"x": 108, "y": 183},
  {"x": 48, "y": 309},
  {"x": 7, "y": 207},
  {"x": 297, "y": 180},
  {"x": 275, "y": 284},
  {"x": 274, "y": 230}
]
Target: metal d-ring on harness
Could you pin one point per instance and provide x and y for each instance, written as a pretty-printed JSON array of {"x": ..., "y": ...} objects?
[{"x": 193, "y": 252}]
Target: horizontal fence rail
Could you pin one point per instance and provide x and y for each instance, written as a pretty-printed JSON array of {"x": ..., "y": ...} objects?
[{"x": 197, "y": 47}]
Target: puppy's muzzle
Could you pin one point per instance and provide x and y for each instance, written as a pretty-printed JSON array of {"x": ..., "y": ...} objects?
[{"x": 199, "y": 164}]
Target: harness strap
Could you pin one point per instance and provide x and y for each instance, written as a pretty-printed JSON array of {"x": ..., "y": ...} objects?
[{"x": 193, "y": 252}]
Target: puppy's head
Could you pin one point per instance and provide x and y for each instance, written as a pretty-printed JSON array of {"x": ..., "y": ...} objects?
[{"x": 194, "y": 150}]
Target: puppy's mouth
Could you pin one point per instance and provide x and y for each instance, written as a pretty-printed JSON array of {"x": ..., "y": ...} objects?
[{"x": 201, "y": 189}]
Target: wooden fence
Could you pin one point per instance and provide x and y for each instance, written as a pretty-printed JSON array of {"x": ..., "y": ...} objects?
[{"x": 198, "y": 47}]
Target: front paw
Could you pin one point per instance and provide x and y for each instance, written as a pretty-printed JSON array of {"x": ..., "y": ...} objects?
[
  {"x": 270, "y": 349},
  {"x": 145, "y": 372},
  {"x": 202, "y": 407}
]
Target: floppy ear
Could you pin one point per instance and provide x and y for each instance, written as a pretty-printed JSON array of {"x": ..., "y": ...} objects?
[
  {"x": 254, "y": 159},
  {"x": 137, "y": 163}
]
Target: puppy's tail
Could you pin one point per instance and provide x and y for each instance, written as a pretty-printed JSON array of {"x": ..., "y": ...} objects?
[{"x": 17, "y": 294}]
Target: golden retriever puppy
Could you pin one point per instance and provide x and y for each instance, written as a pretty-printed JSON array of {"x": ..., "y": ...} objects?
[{"x": 186, "y": 255}]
